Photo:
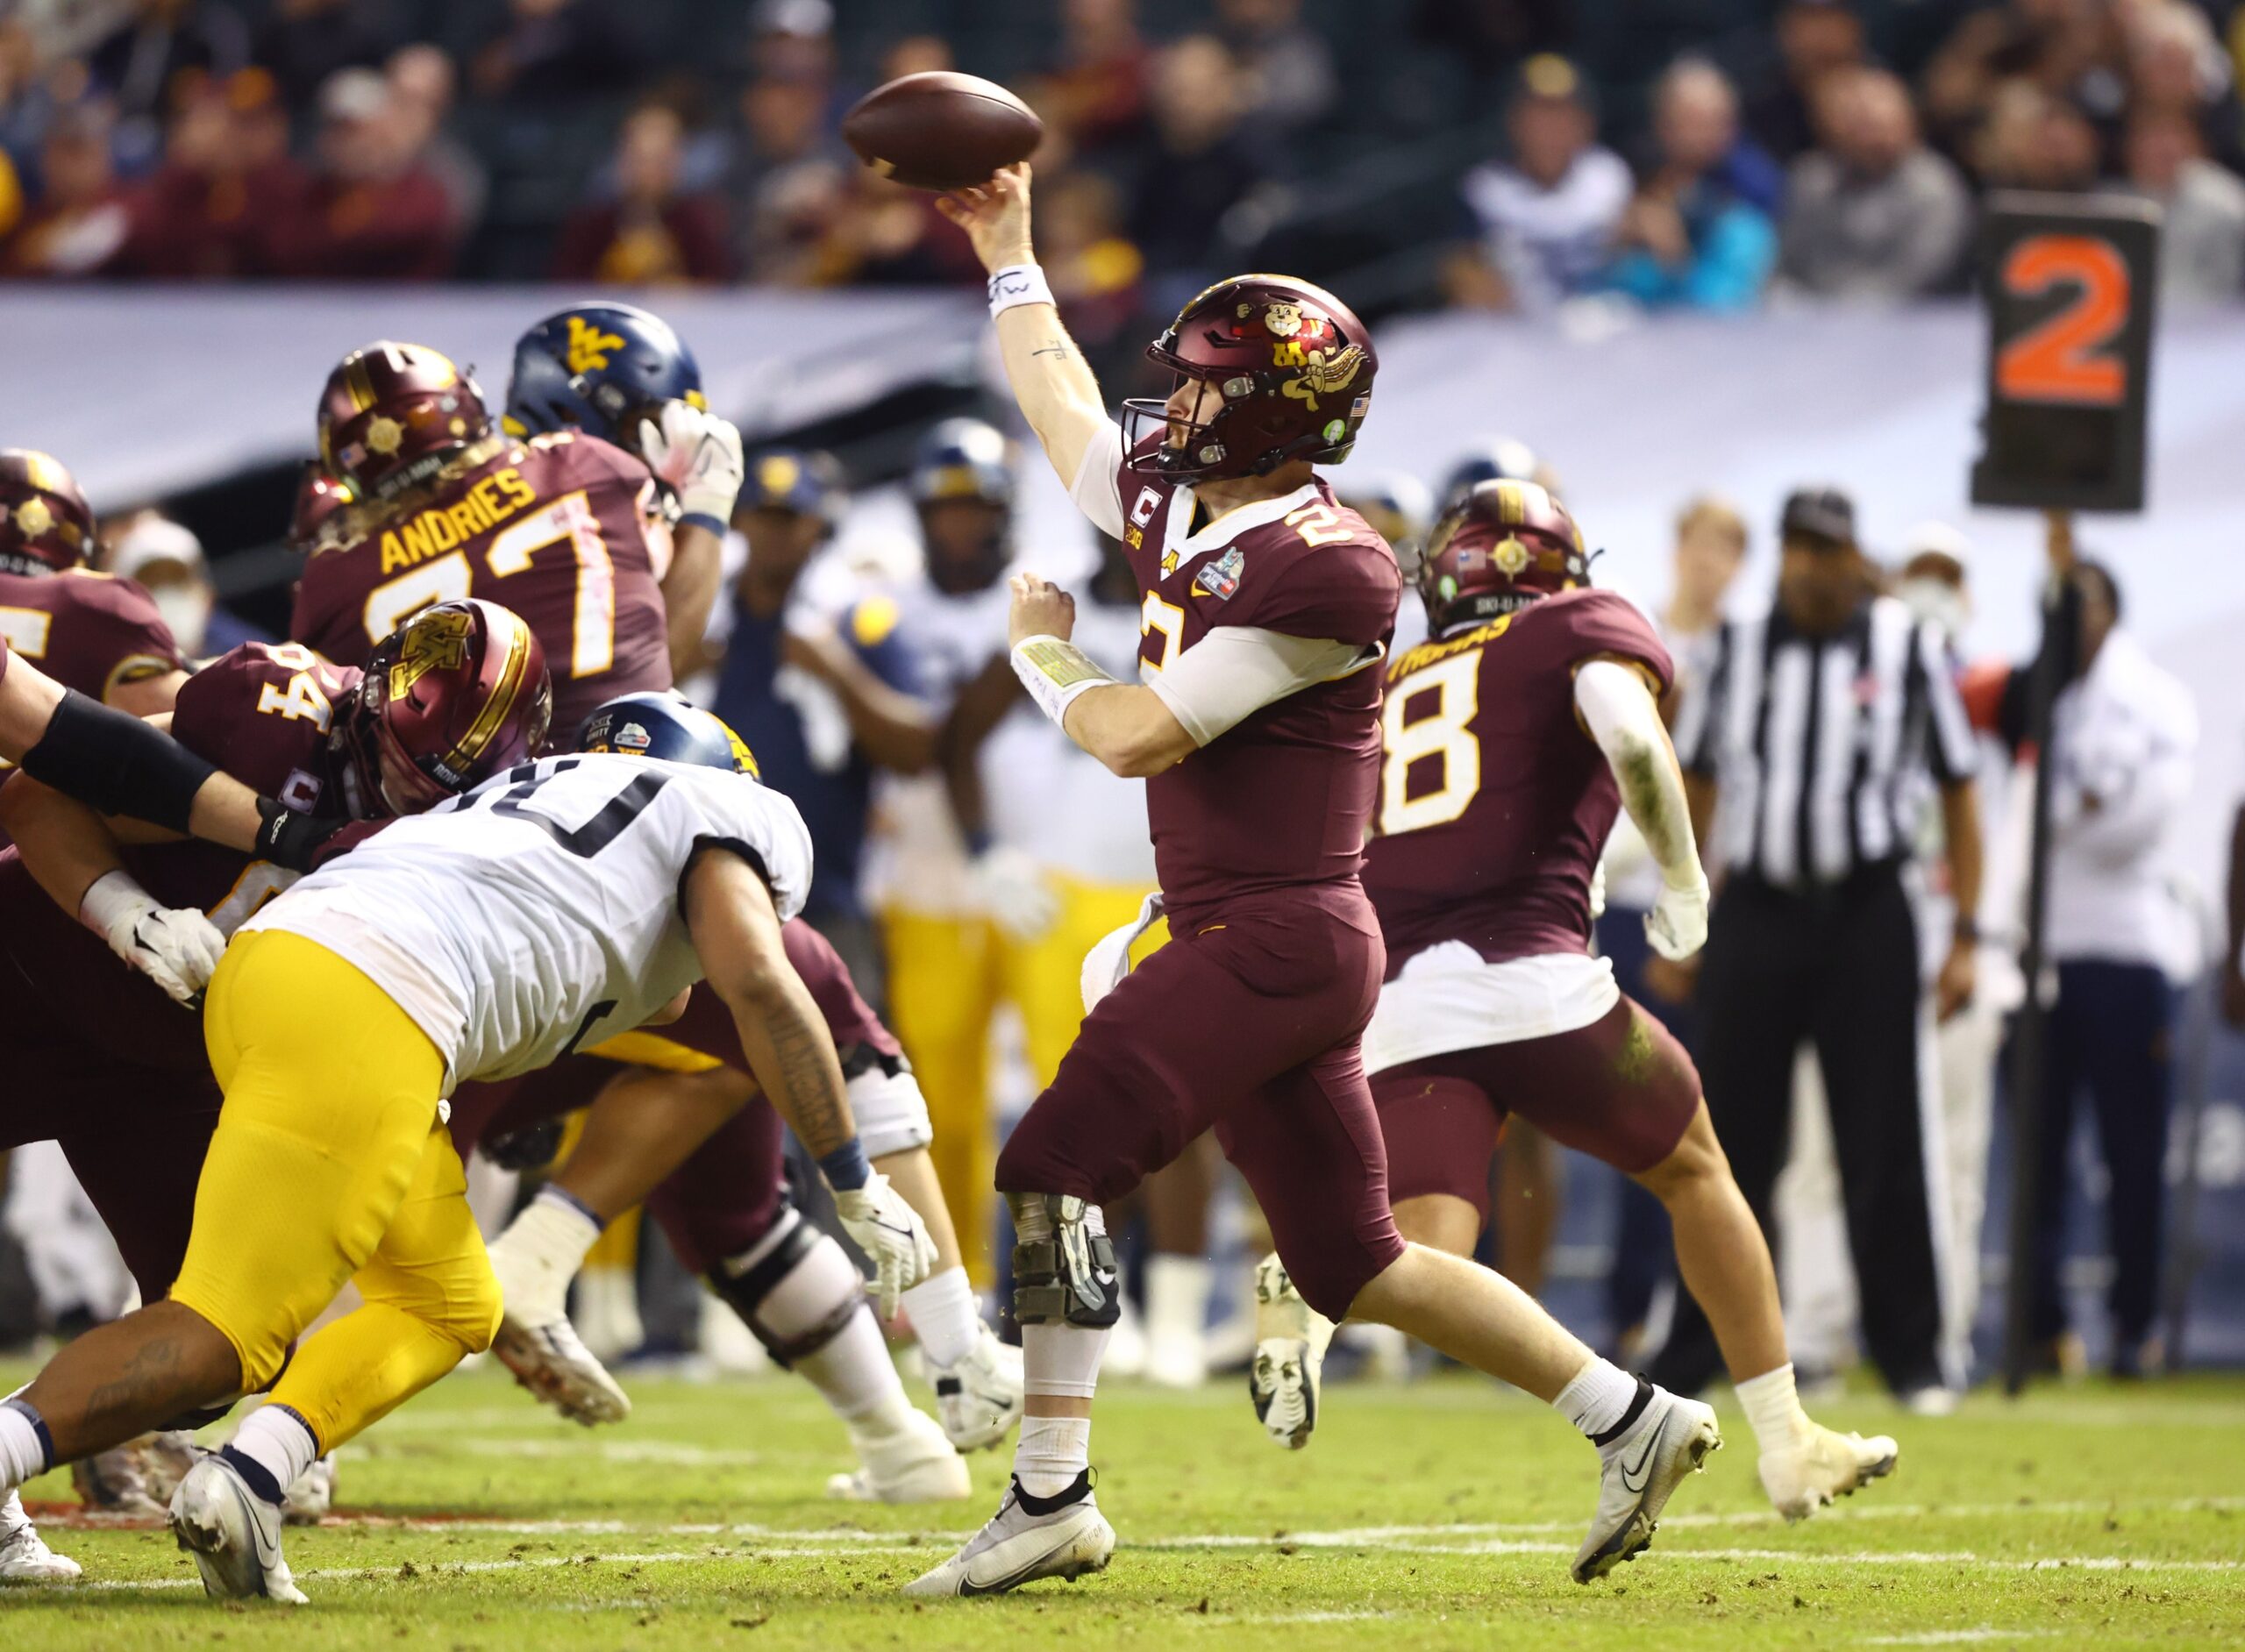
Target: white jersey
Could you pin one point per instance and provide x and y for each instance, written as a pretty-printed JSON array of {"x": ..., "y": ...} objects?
[
  {"x": 1053, "y": 799},
  {"x": 539, "y": 912},
  {"x": 917, "y": 859}
]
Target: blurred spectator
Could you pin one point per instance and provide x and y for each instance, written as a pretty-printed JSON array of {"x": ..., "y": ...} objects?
[
  {"x": 2124, "y": 738},
  {"x": 652, "y": 232},
  {"x": 79, "y": 222},
  {"x": 2175, "y": 67},
  {"x": 423, "y": 84},
  {"x": 554, "y": 51},
  {"x": 793, "y": 37},
  {"x": 789, "y": 178},
  {"x": 1095, "y": 271},
  {"x": 1692, "y": 238},
  {"x": 206, "y": 213},
  {"x": 1286, "y": 67},
  {"x": 1097, "y": 92},
  {"x": 1871, "y": 213},
  {"x": 1814, "y": 37},
  {"x": 2065, "y": 48},
  {"x": 305, "y": 42},
  {"x": 167, "y": 560},
  {"x": 136, "y": 63},
  {"x": 1546, "y": 218},
  {"x": 886, "y": 235},
  {"x": 2202, "y": 236},
  {"x": 1488, "y": 36},
  {"x": 1195, "y": 164},
  {"x": 916, "y": 55},
  {"x": 2033, "y": 141},
  {"x": 373, "y": 211}
]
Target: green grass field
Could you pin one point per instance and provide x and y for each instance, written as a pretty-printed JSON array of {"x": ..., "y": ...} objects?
[{"x": 1437, "y": 1515}]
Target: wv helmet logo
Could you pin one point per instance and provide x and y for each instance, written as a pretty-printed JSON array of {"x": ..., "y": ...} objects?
[{"x": 588, "y": 347}]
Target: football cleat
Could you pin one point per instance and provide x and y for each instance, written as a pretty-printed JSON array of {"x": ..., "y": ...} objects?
[
  {"x": 1638, "y": 1469},
  {"x": 979, "y": 1399},
  {"x": 136, "y": 1478},
  {"x": 233, "y": 1534},
  {"x": 537, "y": 1342},
  {"x": 913, "y": 1463},
  {"x": 1028, "y": 1538},
  {"x": 1285, "y": 1378},
  {"x": 1821, "y": 1466},
  {"x": 23, "y": 1557},
  {"x": 311, "y": 1495}
]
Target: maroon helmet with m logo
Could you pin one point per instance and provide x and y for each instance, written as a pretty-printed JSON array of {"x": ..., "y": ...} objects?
[
  {"x": 1501, "y": 546},
  {"x": 456, "y": 695},
  {"x": 45, "y": 525},
  {"x": 392, "y": 414}
]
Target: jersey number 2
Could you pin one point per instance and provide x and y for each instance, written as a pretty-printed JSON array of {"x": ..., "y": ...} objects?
[
  {"x": 568, "y": 519},
  {"x": 1444, "y": 734}
]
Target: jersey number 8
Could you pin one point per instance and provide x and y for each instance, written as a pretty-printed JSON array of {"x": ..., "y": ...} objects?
[
  {"x": 568, "y": 519},
  {"x": 1444, "y": 733}
]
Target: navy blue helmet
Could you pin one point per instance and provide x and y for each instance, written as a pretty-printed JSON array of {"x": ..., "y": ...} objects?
[
  {"x": 653, "y": 724},
  {"x": 598, "y": 368},
  {"x": 1491, "y": 459},
  {"x": 963, "y": 458}
]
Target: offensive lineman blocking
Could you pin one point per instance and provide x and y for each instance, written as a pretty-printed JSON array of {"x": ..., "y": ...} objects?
[{"x": 1266, "y": 608}]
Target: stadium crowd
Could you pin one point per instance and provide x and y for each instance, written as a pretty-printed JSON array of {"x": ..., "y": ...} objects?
[{"x": 1814, "y": 149}]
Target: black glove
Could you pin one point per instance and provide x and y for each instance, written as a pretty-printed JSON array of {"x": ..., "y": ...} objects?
[
  {"x": 530, "y": 1148},
  {"x": 290, "y": 838}
]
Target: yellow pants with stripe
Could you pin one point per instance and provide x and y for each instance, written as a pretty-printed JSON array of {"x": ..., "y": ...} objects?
[
  {"x": 946, "y": 977},
  {"x": 329, "y": 1165}
]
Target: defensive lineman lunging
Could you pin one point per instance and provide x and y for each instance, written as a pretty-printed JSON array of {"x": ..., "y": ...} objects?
[{"x": 1267, "y": 608}]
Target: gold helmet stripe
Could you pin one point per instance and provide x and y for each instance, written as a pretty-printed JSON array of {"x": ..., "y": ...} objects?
[
  {"x": 502, "y": 703},
  {"x": 359, "y": 382}
]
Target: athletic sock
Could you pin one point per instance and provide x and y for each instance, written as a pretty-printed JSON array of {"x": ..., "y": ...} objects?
[
  {"x": 1061, "y": 1360},
  {"x": 1051, "y": 1452},
  {"x": 1599, "y": 1399},
  {"x": 1773, "y": 1408},
  {"x": 946, "y": 1321},
  {"x": 853, "y": 1370},
  {"x": 271, "y": 1450},
  {"x": 554, "y": 1231},
  {"x": 27, "y": 1449},
  {"x": 1177, "y": 1297}
]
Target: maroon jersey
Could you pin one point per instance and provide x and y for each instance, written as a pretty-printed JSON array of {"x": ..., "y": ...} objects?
[
  {"x": 89, "y": 632},
  {"x": 1284, "y": 799},
  {"x": 261, "y": 713},
  {"x": 564, "y": 529},
  {"x": 1494, "y": 803}
]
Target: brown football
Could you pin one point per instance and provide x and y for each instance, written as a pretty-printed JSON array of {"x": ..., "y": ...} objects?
[{"x": 940, "y": 130}]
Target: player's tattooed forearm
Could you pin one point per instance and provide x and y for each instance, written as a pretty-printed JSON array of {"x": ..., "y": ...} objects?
[
  {"x": 1059, "y": 347},
  {"x": 816, "y": 1105}
]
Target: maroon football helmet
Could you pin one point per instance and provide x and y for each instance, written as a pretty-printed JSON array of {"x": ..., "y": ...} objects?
[
  {"x": 456, "y": 695},
  {"x": 45, "y": 525},
  {"x": 1291, "y": 369},
  {"x": 320, "y": 498},
  {"x": 392, "y": 414},
  {"x": 1504, "y": 545}
]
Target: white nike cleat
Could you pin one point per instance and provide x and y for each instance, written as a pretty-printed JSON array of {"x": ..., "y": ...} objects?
[
  {"x": 1822, "y": 1464},
  {"x": 537, "y": 1343},
  {"x": 979, "y": 1399},
  {"x": 24, "y": 1556},
  {"x": 913, "y": 1463},
  {"x": 1284, "y": 1379},
  {"x": 1639, "y": 1468},
  {"x": 233, "y": 1534},
  {"x": 311, "y": 1495},
  {"x": 1028, "y": 1538}
]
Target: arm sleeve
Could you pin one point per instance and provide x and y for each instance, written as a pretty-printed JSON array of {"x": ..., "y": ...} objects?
[
  {"x": 1950, "y": 749},
  {"x": 1624, "y": 719},
  {"x": 1098, "y": 489},
  {"x": 1236, "y": 670}
]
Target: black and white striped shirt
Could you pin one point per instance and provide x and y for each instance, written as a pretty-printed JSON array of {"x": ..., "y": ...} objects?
[{"x": 1821, "y": 745}]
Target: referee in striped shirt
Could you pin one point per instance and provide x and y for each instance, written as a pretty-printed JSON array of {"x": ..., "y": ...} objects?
[{"x": 1809, "y": 751}]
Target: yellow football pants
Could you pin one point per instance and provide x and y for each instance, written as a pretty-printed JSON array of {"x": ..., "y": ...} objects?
[
  {"x": 946, "y": 977},
  {"x": 329, "y": 1165}
]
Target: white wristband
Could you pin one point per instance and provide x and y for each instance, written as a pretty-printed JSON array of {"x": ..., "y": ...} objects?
[
  {"x": 1056, "y": 673},
  {"x": 1017, "y": 284},
  {"x": 110, "y": 898}
]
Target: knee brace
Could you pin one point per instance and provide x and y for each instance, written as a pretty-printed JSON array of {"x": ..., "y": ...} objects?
[
  {"x": 1064, "y": 1263},
  {"x": 885, "y": 1098},
  {"x": 795, "y": 1289}
]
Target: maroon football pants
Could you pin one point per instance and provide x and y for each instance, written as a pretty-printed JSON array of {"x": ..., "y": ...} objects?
[
  {"x": 1246, "y": 1022},
  {"x": 1621, "y": 1089}
]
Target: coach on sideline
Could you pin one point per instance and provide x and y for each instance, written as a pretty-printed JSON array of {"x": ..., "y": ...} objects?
[{"x": 1815, "y": 723}]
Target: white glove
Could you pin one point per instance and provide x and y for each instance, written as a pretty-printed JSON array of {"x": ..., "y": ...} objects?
[
  {"x": 1677, "y": 926},
  {"x": 698, "y": 455},
  {"x": 175, "y": 947},
  {"x": 1013, "y": 893},
  {"x": 890, "y": 1232}
]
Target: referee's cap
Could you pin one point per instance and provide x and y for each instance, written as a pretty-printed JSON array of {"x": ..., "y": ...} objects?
[{"x": 1825, "y": 512}]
